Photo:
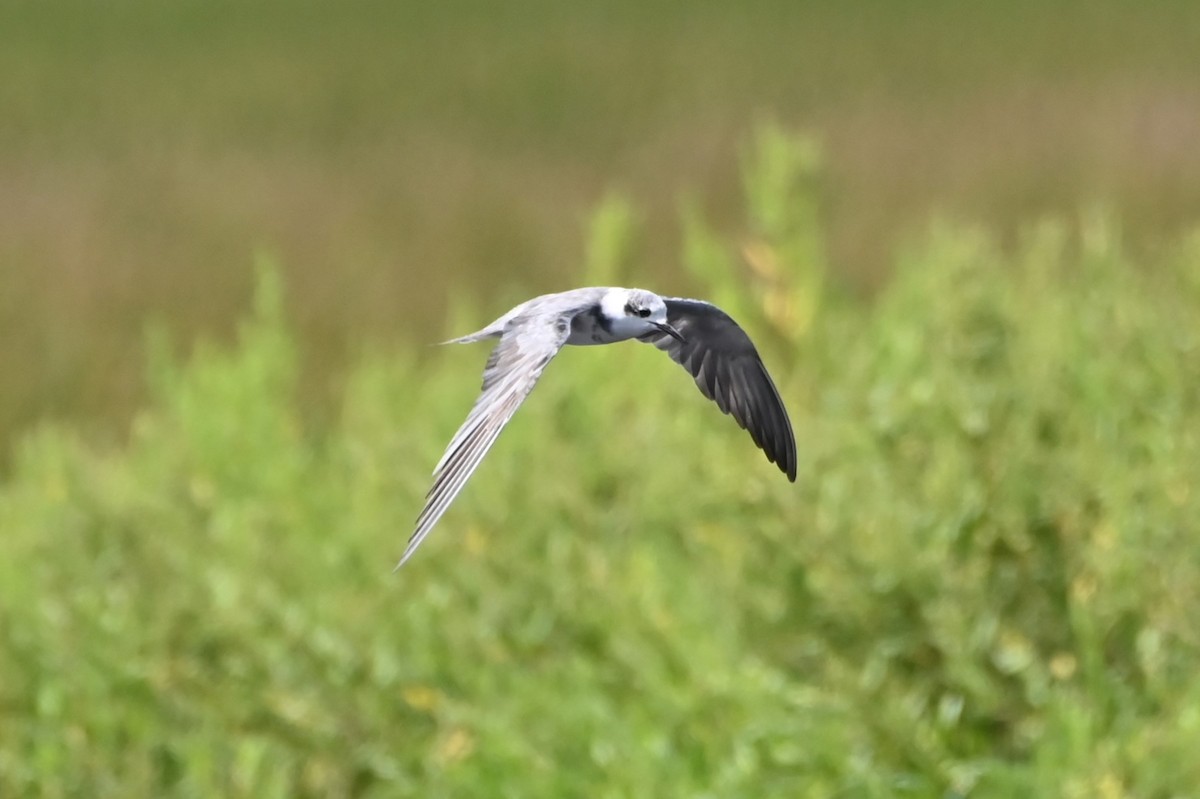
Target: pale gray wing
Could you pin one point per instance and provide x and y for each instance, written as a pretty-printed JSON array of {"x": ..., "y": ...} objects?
[
  {"x": 726, "y": 366},
  {"x": 526, "y": 346}
]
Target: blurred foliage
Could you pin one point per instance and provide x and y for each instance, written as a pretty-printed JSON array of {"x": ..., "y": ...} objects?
[{"x": 983, "y": 584}]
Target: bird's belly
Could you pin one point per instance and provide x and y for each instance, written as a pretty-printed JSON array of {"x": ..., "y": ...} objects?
[
  {"x": 588, "y": 338},
  {"x": 587, "y": 329}
]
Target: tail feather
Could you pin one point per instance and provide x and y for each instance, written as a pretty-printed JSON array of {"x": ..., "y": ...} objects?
[{"x": 478, "y": 335}]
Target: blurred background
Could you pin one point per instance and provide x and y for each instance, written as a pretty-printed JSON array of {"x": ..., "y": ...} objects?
[
  {"x": 963, "y": 236},
  {"x": 387, "y": 154}
]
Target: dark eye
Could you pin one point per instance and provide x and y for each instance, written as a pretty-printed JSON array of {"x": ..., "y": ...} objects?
[{"x": 643, "y": 312}]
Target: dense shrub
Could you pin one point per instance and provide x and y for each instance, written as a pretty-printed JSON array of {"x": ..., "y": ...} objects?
[{"x": 984, "y": 582}]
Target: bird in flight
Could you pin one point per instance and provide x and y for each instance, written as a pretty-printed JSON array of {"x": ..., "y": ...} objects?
[{"x": 697, "y": 335}]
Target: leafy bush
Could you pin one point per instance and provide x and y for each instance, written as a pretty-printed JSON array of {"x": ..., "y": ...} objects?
[{"x": 984, "y": 582}]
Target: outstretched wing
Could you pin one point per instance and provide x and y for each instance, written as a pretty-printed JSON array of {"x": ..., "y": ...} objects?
[
  {"x": 526, "y": 346},
  {"x": 726, "y": 366}
]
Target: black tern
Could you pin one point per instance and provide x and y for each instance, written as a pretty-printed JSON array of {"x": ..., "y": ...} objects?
[{"x": 696, "y": 334}]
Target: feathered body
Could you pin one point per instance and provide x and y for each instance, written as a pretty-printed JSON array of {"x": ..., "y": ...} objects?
[
  {"x": 697, "y": 335},
  {"x": 597, "y": 315}
]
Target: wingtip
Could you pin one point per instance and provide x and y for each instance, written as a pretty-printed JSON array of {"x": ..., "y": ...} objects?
[{"x": 408, "y": 553}]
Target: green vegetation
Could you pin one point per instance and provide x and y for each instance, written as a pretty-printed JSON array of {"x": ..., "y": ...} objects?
[{"x": 984, "y": 582}]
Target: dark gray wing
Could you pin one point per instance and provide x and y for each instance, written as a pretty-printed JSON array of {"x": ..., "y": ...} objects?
[
  {"x": 526, "y": 346},
  {"x": 726, "y": 366}
]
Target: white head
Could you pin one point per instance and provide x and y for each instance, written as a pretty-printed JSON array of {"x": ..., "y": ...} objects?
[{"x": 636, "y": 312}]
